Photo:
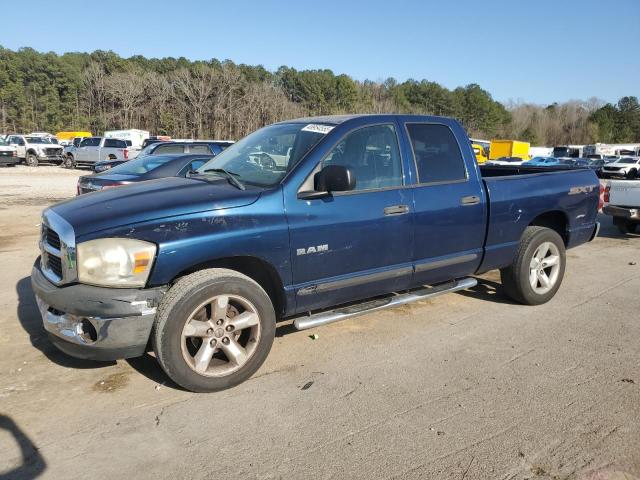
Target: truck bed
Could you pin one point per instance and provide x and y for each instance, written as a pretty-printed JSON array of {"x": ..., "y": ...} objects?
[
  {"x": 516, "y": 196},
  {"x": 507, "y": 170}
]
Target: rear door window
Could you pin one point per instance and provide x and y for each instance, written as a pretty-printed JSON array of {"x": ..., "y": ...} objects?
[
  {"x": 436, "y": 152},
  {"x": 90, "y": 142},
  {"x": 173, "y": 148}
]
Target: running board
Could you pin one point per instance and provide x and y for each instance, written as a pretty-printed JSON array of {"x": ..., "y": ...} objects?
[{"x": 342, "y": 313}]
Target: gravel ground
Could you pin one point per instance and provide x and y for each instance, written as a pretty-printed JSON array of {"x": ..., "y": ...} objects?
[{"x": 467, "y": 386}]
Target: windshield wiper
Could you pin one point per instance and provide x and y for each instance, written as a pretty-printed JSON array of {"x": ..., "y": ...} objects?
[{"x": 231, "y": 176}]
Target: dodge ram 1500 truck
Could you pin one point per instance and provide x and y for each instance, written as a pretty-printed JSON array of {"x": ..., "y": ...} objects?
[{"x": 356, "y": 214}]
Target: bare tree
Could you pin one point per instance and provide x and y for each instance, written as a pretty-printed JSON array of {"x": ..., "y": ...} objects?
[
  {"x": 126, "y": 89},
  {"x": 195, "y": 88}
]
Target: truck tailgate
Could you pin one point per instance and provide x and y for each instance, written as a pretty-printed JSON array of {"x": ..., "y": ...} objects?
[{"x": 624, "y": 193}]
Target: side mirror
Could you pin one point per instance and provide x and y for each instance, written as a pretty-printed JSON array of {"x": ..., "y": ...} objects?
[{"x": 332, "y": 178}]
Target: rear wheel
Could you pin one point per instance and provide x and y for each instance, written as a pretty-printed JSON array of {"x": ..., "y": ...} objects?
[
  {"x": 536, "y": 274},
  {"x": 625, "y": 226},
  {"x": 31, "y": 160},
  {"x": 213, "y": 330}
]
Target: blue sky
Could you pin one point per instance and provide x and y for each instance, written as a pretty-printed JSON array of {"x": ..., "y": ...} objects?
[{"x": 539, "y": 50}]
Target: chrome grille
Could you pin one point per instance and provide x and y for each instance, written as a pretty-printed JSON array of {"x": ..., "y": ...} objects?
[
  {"x": 51, "y": 237},
  {"x": 55, "y": 265},
  {"x": 58, "y": 249}
]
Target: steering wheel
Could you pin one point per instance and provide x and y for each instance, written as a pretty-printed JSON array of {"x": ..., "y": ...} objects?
[{"x": 266, "y": 161}]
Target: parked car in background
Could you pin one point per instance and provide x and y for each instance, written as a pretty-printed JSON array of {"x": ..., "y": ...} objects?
[
  {"x": 624, "y": 167},
  {"x": 543, "y": 162},
  {"x": 34, "y": 150},
  {"x": 142, "y": 168},
  {"x": 8, "y": 154},
  {"x": 622, "y": 202},
  {"x": 597, "y": 165},
  {"x": 506, "y": 161},
  {"x": 95, "y": 149},
  {"x": 213, "y": 147},
  {"x": 575, "y": 162},
  {"x": 203, "y": 267},
  {"x": 169, "y": 148}
]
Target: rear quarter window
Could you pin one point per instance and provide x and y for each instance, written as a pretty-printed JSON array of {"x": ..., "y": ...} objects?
[
  {"x": 199, "y": 149},
  {"x": 164, "y": 149}
]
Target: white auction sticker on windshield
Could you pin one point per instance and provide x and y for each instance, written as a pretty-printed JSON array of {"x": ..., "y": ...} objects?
[{"x": 317, "y": 128}]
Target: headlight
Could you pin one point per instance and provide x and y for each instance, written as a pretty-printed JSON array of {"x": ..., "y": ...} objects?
[{"x": 115, "y": 262}]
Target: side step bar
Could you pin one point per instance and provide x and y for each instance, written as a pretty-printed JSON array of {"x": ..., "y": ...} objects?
[{"x": 342, "y": 313}]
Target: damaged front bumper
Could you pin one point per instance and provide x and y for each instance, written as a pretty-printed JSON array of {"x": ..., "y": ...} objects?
[{"x": 96, "y": 323}]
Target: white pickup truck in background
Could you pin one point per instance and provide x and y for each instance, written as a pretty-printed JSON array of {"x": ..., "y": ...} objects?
[
  {"x": 96, "y": 149},
  {"x": 622, "y": 202},
  {"x": 35, "y": 149}
]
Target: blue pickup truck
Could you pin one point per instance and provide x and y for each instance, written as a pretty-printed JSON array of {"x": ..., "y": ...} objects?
[{"x": 315, "y": 220}]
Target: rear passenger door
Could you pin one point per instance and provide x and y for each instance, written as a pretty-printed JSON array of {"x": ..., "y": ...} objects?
[{"x": 449, "y": 204}]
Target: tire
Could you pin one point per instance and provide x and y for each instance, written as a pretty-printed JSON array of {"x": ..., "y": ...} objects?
[
  {"x": 631, "y": 174},
  {"x": 518, "y": 278},
  {"x": 625, "y": 226},
  {"x": 31, "y": 160},
  {"x": 69, "y": 162},
  {"x": 192, "y": 300}
]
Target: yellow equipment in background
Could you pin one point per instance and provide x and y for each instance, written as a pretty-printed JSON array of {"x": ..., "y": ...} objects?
[
  {"x": 67, "y": 136},
  {"x": 509, "y": 148},
  {"x": 478, "y": 151}
]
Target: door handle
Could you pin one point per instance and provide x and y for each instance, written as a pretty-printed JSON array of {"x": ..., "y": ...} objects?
[
  {"x": 470, "y": 200},
  {"x": 396, "y": 210}
]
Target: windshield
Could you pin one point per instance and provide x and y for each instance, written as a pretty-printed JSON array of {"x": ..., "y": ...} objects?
[
  {"x": 35, "y": 140},
  {"x": 628, "y": 160},
  {"x": 147, "y": 150},
  {"x": 264, "y": 157},
  {"x": 139, "y": 166}
]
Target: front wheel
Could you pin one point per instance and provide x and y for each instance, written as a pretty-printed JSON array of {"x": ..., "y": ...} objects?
[
  {"x": 69, "y": 162},
  {"x": 537, "y": 271},
  {"x": 213, "y": 330},
  {"x": 31, "y": 160}
]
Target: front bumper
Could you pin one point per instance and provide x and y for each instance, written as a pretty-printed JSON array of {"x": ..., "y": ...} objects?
[
  {"x": 8, "y": 160},
  {"x": 96, "y": 323},
  {"x": 624, "y": 212},
  {"x": 49, "y": 158}
]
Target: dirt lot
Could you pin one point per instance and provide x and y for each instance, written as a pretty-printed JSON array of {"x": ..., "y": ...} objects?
[{"x": 465, "y": 386}]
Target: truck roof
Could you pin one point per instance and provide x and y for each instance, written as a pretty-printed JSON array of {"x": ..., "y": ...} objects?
[{"x": 338, "y": 119}]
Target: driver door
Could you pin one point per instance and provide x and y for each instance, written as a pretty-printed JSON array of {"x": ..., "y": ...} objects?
[
  {"x": 355, "y": 244},
  {"x": 19, "y": 143}
]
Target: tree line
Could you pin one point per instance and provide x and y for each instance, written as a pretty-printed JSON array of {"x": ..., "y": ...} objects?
[{"x": 220, "y": 99}]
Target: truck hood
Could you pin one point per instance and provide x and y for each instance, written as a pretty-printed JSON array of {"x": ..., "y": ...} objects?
[{"x": 154, "y": 199}]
